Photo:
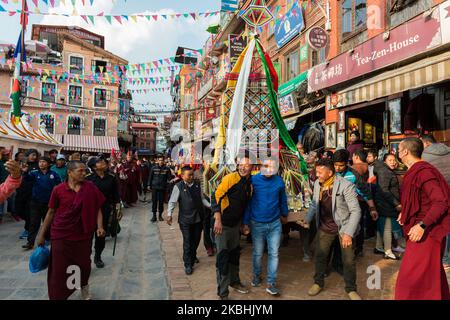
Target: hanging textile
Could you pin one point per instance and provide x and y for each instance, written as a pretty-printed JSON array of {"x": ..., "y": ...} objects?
[
  {"x": 236, "y": 120},
  {"x": 272, "y": 86}
]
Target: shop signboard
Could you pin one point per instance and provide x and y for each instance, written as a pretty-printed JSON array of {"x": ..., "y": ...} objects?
[
  {"x": 288, "y": 105},
  {"x": 303, "y": 53},
  {"x": 317, "y": 38},
  {"x": 237, "y": 44},
  {"x": 289, "y": 25},
  {"x": 407, "y": 40}
]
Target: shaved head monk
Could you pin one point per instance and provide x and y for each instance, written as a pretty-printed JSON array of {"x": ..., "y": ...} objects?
[
  {"x": 425, "y": 219},
  {"x": 74, "y": 215}
]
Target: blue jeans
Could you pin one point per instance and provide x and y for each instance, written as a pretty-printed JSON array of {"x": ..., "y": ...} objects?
[
  {"x": 263, "y": 233},
  {"x": 446, "y": 258}
]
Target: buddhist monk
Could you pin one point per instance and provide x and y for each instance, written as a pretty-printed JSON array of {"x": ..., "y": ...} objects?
[
  {"x": 425, "y": 218},
  {"x": 74, "y": 215}
]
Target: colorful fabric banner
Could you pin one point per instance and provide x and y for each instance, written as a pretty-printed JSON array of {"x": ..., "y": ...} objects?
[
  {"x": 272, "y": 85},
  {"x": 236, "y": 118}
]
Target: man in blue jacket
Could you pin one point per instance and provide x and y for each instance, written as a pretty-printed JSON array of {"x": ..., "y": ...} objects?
[
  {"x": 265, "y": 213},
  {"x": 44, "y": 180}
]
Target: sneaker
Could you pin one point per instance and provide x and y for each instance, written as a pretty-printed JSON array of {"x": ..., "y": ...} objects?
[
  {"x": 154, "y": 219},
  {"x": 16, "y": 217},
  {"x": 256, "y": 281},
  {"x": 23, "y": 235},
  {"x": 306, "y": 258},
  {"x": 314, "y": 290},
  {"x": 271, "y": 289},
  {"x": 98, "y": 262},
  {"x": 188, "y": 270},
  {"x": 239, "y": 287},
  {"x": 378, "y": 251},
  {"x": 210, "y": 252},
  {"x": 85, "y": 294},
  {"x": 398, "y": 249},
  {"x": 354, "y": 296},
  {"x": 390, "y": 255},
  {"x": 161, "y": 218}
]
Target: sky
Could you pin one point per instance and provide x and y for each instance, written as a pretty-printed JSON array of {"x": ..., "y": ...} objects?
[{"x": 137, "y": 42}]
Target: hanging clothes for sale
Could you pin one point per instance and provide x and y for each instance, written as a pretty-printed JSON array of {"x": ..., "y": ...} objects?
[
  {"x": 312, "y": 137},
  {"x": 418, "y": 113}
]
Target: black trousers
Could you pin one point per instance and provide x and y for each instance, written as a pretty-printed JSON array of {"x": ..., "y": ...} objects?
[
  {"x": 99, "y": 245},
  {"x": 192, "y": 234},
  {"x": 359, "y": 238},
  {"x": 22, "y": 207},
  {"x": 207, "y": 230},
  {"x": 38, "y": 211},
  {"x": 158, "y": 201}
]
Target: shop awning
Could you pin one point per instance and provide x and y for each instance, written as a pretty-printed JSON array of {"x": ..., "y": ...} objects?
[
  {"x": 292, "y": 84},
  {"x": 419, "y": 74},
  {"x": 88, "y": 143},
  {"x": 304, "y": 112}
]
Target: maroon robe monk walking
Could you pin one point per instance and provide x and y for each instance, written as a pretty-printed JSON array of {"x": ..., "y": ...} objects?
[
  {"x": 130, "y": 186},
  {"x": 74, "y": 215},
  {"x": 425, "y": 218}
]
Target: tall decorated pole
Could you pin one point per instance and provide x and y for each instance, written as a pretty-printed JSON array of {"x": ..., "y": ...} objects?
[{"x": 19, "y": 56}]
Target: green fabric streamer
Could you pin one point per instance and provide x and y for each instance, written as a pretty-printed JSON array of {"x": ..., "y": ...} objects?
[{"x": 276, "y": 112}]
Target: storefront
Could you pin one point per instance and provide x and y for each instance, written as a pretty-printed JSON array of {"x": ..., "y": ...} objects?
[
  {"x": 412, "y": 98},
  {"x": 303, "y": 114}
]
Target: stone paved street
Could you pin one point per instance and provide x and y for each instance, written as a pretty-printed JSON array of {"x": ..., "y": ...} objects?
[
  {"x": 294, "y": 275},
  {"x": 136, "y": 272},
  {"x": 148, "y": 265}
]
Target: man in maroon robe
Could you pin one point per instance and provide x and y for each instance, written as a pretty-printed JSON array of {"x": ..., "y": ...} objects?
[
  {"x": 425, "y": 217},
  {"x": 133, "y": 179},
  {"x": 74, "y": 215}
]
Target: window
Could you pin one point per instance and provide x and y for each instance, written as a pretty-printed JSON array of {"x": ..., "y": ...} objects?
[
  {"x": 23, "y": 87},
  {"x": 49, "y": 121},
  {"x": 48, "y": 93},
  {"x": 99, "y": 127},
  {"x": 354, "y": 16},
  {"x": 100, "y": 98},
  {"x": 293, "y": 65},
  {"x": 74, "y": 125},
  {"x": 75, "y": 95},
  {"x": 99, "y": 66},
  {"x": 318, "y": 57},
  {"x": 76, "y": 65}
]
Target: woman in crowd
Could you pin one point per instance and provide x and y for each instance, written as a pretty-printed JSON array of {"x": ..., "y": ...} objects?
[
  {"x": 355, "y": 143},
  {"x": 387, "y": 200}
]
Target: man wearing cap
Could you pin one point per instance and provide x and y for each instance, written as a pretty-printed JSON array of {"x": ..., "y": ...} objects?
[
  {"x": 44, "y": 180},
  {"x": 60, "y": 167},
  {"x": 109, "y": 187}
]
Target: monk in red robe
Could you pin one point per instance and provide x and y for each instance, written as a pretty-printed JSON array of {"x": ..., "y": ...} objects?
[
  {"x": 130, "y": 185},
  {"x": 425, "y": 218},
  {"x": 74, "y": 215}
]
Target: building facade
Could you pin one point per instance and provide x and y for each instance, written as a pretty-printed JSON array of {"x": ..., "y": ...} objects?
[{"x": 73, "y": 88}]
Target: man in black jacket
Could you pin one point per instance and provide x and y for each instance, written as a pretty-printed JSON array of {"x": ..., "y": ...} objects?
[
  {"x": 158, "y": 181},
  {"x": 109, "y": 187},
  {"x": 190, "y": 216}
]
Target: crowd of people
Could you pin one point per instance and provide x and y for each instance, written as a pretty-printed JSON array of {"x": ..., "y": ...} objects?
[
  {"x": 356, "y": 196},
  {"x": 74, "y": 202}
]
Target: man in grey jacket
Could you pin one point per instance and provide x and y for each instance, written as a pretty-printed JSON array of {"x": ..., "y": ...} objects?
[
  {"x": 336, "y": 209},
  {"x": 437, "y": 154}
]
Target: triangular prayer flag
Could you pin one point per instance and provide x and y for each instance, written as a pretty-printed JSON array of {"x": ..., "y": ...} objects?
[
  {"x": 108, "y": 18},
  {"x": 118, "y": 18},
  {"x": 134, "y": 18}
]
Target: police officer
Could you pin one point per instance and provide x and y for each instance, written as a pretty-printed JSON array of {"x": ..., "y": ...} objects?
[{"x": 108, "y": 185}]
